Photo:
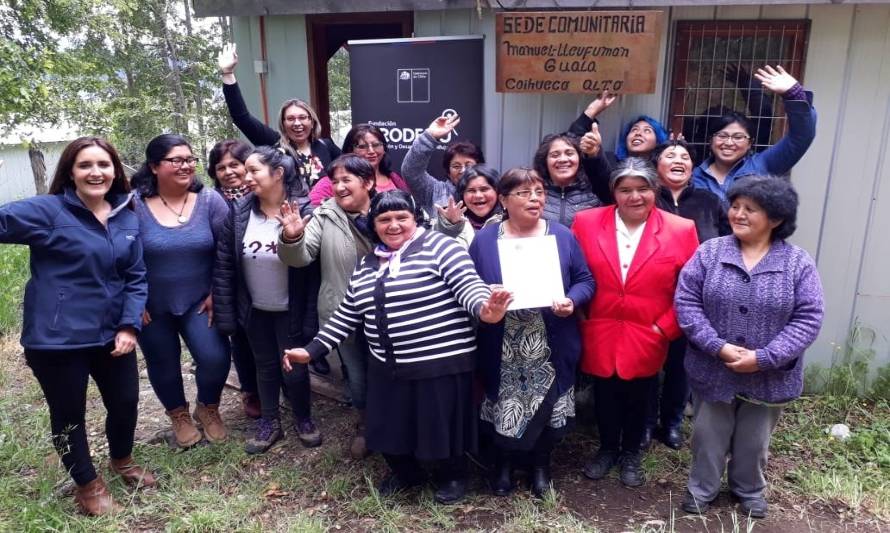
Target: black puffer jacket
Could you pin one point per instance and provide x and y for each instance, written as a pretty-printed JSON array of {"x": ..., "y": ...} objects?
[
  {"x": 699, "y": 205},
  {"x": 564, "y": 202},
  {"x": 231, "y": 299}
]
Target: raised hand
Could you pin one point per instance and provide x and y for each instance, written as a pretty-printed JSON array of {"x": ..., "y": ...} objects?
[
  {"x": 494, "y": 309},
  {"x": 592, "y": 141},
  {"x": 676, "y": 137},
  {"x": 600, "y": 104},
  {"x": 775, "y": 79},
  {"x": 452, "y": 212},
  {"x": 227, "y": 58},
  {"x": 442, "y": 126},
  {"x": 294, "y": 355},
  {"x": 292, "y": 224}
]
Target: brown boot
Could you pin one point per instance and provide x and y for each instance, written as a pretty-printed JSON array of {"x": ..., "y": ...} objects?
[
  {"x": 357, "y": 448},
  {"x": 132, "y": 473},
  {"x": 184, "y": 429},
  {"x": 208, "y": 417},
  {"x": 251, "y": 404},
  {"x": 94, "y": 499}
]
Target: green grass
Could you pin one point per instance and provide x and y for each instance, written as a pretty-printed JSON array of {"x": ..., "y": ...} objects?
[
  {"x": 852, "y": 476},
  {"x": 13, "y": 276}
]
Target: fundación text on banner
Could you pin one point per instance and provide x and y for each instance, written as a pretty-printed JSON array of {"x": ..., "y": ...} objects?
[{"x": 578, "y": 51}]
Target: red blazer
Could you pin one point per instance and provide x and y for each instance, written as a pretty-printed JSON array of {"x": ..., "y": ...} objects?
[{"x": 617, "y": 334}]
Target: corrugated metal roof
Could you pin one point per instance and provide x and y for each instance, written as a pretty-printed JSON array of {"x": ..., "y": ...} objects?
[{"x": 214, "y": 8}]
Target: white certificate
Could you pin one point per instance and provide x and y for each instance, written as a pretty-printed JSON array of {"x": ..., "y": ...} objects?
[{"x": 530, "y": 270}]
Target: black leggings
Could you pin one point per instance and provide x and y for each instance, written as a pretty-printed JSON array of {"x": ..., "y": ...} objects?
[
  {"x": 63, "y": 375},
  {"x": 267, "y": 333}
]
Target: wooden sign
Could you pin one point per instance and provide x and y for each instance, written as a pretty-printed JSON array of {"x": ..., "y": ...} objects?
[{"x": 578, "y": 51}]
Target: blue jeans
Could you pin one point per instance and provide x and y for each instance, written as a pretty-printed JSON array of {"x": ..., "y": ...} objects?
[{"x": 159, "y": 341}]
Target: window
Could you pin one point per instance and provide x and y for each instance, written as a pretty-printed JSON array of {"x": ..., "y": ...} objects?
[{"x": 714, "y": 66}]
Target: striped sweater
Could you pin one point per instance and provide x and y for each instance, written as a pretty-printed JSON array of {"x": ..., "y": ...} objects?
[{"x": 420, "y": 324}]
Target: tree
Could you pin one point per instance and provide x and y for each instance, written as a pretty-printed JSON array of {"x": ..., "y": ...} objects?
[{"x": 116, "y": 68}]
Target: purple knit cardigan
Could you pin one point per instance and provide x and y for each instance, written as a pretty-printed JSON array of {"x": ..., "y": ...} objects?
[{"x": 776, "y": 310}]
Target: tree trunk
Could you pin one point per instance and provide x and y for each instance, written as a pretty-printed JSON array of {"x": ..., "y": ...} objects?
[
  {"x": 168, "y": 51},
  {"x": 38, "y": 166}
]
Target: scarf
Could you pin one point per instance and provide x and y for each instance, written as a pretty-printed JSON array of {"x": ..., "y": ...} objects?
[
  {"x": 234, "y": 193},
  {"x": 393, "y": 258},
  {"x": 479, "y": 222}
]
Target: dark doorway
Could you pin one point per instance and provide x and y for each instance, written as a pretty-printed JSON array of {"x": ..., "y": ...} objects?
[{"x": 328, "y": 33}]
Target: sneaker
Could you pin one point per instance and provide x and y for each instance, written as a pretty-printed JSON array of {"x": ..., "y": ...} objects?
[
  {"x": 208, "y": 417},
  {"x": 308, "y": 433},
  {"x": 184, "y": 430},
  {"x": 753, "y": 507},
  {"x": 693, "y": 505},
  {"x": 268, "y": 432},
  {"x": 631, "y": 473},
  {"x": 601, "y": 464}
]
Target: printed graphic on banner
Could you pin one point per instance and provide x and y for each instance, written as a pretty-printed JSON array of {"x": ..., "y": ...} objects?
[
  {"x": 413, "y": 86},
  {"x": 402, "y": 85}
]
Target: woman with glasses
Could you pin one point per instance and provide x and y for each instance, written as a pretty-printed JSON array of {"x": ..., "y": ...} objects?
[
  {"x": 635, "y": 252},
  {"x": 558, "y": 162},
  {"x": 732, "y": 149},
  {"x": 299, "y": 131},
  {"x": 527, "y": 362},
  {"x": 368, "y": 142},
  {"x": 179, "y": 221},
  {"x": 428, "y": 190}
]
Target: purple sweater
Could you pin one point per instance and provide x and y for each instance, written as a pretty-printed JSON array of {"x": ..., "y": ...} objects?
[{"x": 776, "y": 310}]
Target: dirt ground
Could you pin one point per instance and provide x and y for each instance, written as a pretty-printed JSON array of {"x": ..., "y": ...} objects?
[{"x": 605, "y": 505}]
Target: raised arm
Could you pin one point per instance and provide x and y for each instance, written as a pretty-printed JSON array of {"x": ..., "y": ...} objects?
[
  {"x": 414, "y": 167},
  {"x": 255, "y": 130},
  {"x": 782, "y": 156},
  {"x": 26, "y": 221}
]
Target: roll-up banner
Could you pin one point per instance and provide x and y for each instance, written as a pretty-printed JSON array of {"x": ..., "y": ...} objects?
[{"x": 401, "y": 85}]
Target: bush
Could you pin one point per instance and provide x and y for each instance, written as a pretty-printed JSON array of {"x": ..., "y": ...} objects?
[{"x": 14, "y": 274}]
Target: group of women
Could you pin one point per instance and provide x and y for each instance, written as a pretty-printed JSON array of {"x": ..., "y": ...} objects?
[{"x": 303, "y": 249}]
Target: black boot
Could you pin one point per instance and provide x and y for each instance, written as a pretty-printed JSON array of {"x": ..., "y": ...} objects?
[
  {"x": 451, "y": 491},
  {"x": 501, "y": 478},
  {"x": 540, "y": 479},
  {"x": 405, "y": 474}
]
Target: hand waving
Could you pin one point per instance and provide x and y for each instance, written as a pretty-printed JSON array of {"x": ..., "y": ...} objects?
[
  {"x": 600, "y": 104},
  {"x": 775, "y": 79},
  {"x": 292, "y": 224},
  {"x": 452, "y": 212},
  {"x": 227, "y": 58},
  {"x": 494, "y": 309},
  {"x": 442, "y": 126}
]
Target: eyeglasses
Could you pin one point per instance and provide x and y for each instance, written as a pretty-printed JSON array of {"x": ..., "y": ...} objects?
[
  {"x": 373, "y": 146},
  {"x": 460, "y": 167},
  {"x": 179, "y": 161},
  {"x": 525, "y": 194},
  {"x": 736, "y": 137}
]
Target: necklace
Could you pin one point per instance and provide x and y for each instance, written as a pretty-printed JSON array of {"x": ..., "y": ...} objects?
[{"x": 182, "y": 219}]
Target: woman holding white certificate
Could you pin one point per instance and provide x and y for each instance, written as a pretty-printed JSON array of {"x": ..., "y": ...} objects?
[
  {"x": 527, "y": 361},
  {"x": 635, "y": 252}
]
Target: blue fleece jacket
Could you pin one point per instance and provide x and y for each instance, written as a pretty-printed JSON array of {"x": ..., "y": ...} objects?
[
  {"x": 776, "y": 160},
  {"x": 87, "y": 280}
]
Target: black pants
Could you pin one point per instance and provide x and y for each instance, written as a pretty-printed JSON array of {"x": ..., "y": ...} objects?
[
  {"x": 621, "y": 409},
  {"x": 667, "y": 408},
  {"x": 63, "y": 375},
  {"x": 267, "y": 333},
  {"x": 242, "y": 356}
]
